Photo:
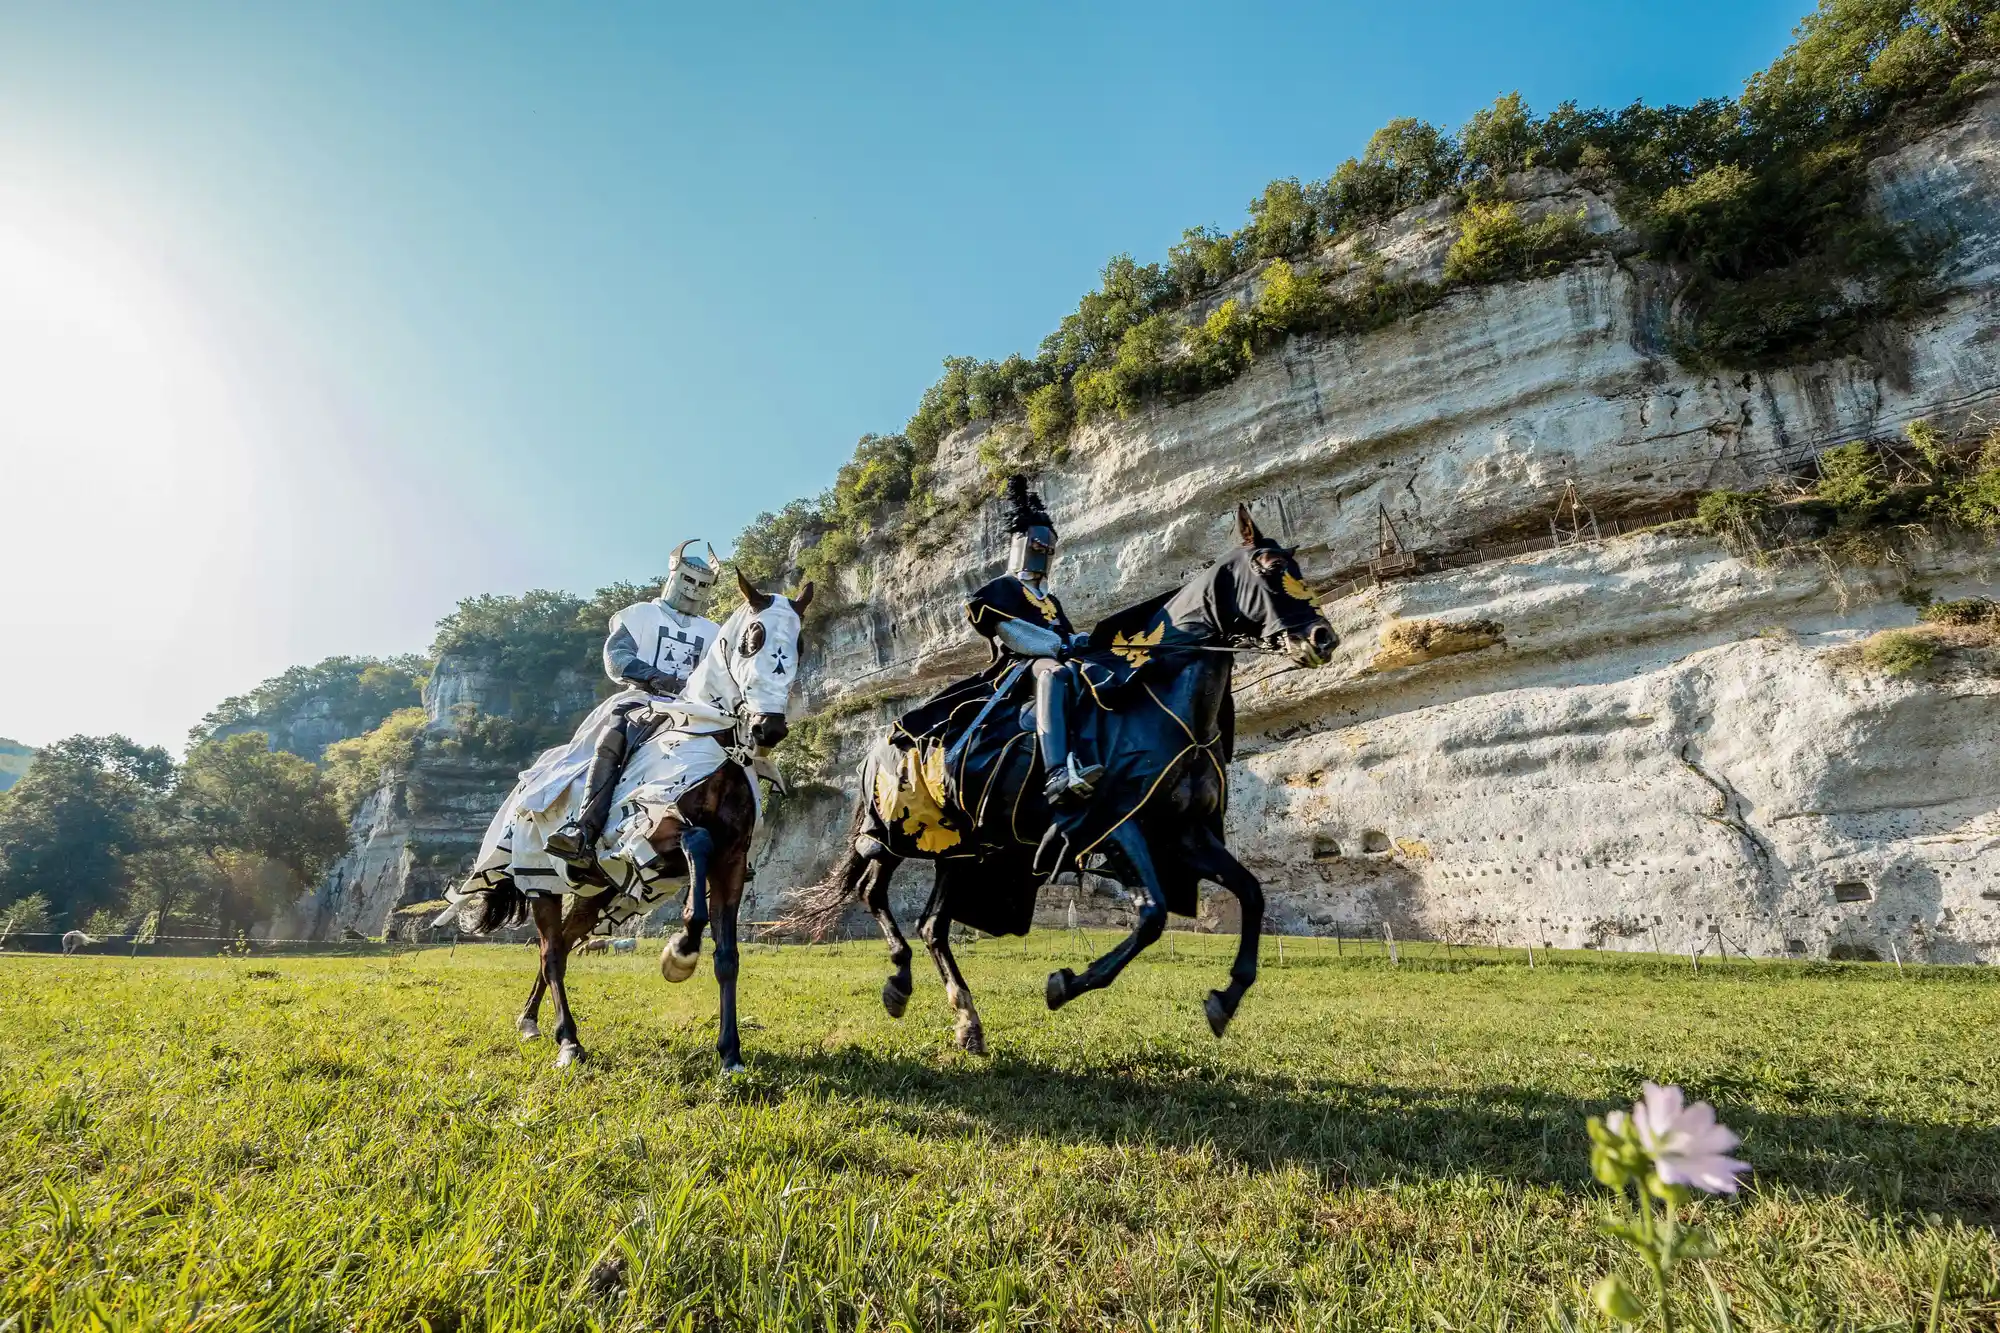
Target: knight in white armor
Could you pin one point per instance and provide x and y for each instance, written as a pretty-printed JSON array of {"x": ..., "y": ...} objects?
[{"x": 651, "y": 649}]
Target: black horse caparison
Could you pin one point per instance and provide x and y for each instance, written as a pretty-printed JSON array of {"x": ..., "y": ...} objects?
[{"x": 1162, "y": 723}]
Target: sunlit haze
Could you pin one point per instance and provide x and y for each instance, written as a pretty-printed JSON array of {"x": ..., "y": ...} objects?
[{"x": 315, "y": 320}]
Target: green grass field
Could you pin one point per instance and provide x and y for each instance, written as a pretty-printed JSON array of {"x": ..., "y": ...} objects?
[{"x": 363, "y": 1143}]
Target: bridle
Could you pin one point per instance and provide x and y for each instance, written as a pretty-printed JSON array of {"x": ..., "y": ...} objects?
[{"x": 744, "y": 748}]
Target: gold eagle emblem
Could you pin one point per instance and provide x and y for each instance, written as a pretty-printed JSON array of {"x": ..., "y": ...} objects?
[
  {"x": 910, "y": 796},
  {"x": 1137, "y": 649},
  {"x": 1045, "y": 605}
]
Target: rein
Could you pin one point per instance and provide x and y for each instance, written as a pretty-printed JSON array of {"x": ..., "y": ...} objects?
[{"x": 1251, "y": 646}]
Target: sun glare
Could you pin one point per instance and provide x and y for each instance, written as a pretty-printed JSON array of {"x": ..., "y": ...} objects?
[{"x": 121, "y": 461}]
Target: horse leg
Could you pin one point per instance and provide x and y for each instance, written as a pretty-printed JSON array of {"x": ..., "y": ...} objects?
[
  {"x": 582, "y": 916},
  {"x": 548, "y": 910},
  {"x": 1063, "y": 984},
  {"x": 1213, "y": 861},
  {"x": 875, "y": 892},
  {"x": 936, "y": 930},
  {"x": 677, "y": 960},
  {"x": 529, "y": 1024},
  {"x": 728, "y": 894}
]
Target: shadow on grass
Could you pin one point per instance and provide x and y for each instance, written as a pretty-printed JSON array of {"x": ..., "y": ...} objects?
[{"x": 1374, "y": 1133}]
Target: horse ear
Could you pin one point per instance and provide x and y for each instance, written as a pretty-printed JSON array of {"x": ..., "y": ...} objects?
[
  {"x": 1246, "y": 527},
  {"x": 803, "y": 598},
  {"x": 759, "y": 601}
]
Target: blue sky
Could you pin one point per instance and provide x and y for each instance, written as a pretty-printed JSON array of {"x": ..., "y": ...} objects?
[{"x": 322, "y": 317}]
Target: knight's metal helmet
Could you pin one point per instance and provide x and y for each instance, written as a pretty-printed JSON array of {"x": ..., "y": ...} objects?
[
  {"x": 1033, "y": 547},
  {"x": 688, "y": 578}
]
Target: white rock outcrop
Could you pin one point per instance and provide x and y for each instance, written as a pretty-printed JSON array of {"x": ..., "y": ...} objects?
[{"x": 1665, "y": 746}]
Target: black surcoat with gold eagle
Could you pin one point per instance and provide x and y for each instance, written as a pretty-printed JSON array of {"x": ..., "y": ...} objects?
[
  {"x": 1005, "y": 598},
  {"x": 1008, "y": 598}
]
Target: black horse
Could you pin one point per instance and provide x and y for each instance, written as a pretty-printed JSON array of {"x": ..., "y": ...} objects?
[{"x": 957, "y": 782}]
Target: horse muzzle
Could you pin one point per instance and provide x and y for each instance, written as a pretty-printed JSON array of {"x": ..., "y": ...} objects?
[
  {"x": 1313, "y": 647},
  {"x": 767, "y": 729}
]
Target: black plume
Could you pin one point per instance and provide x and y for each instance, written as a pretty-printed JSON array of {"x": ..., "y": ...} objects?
[{"x": 1024, "y": 507}]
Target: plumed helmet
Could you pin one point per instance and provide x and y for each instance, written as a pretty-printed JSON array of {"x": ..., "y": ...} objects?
[
  {"x": 1034, "y": 543},
  {"x": 689, "y": 578}
]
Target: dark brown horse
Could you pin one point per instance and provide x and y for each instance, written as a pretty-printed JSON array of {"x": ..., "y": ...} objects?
[
  {"x": 742, "y": 687},
  {"x": 1160, "y": 718}
]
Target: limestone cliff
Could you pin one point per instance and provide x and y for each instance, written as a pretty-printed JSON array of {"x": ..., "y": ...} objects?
[
  {"x": 307, "y": 708},
  {"x": 1650, "y": 743},
  {"x": 415, "y": 834}
]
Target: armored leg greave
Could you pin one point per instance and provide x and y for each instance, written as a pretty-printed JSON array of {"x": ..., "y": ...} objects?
[
  {"x": 1065, "y": 781},
  {"x": 612, "y": 746},
  {"x": 1052, "y": 720},
  {"x": 576, "y": 841}
]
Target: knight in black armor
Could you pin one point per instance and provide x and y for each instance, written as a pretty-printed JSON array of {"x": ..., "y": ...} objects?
[
  {"x": 651, "y": 649},
  {"x": 1022, "y": 620}
]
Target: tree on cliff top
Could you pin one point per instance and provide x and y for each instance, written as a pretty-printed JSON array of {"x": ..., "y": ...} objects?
[
  {"x": 356, "y": 692},
  {"x": 539, "y": 652},
  {"x": 1758, "y": 197}
]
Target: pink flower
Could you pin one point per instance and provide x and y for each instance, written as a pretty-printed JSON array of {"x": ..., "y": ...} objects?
[{"x": 1686, "y": 1144}]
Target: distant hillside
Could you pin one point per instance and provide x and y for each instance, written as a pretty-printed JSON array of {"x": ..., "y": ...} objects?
[{"x": 14, "y": 761}]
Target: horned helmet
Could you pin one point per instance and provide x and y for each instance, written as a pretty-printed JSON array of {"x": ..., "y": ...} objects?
[
  {"x": 1033, "y": 547},
  {"x": 689, "y": 578}
]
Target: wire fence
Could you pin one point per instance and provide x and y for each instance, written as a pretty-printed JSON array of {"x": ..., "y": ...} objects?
[
  {"x": 1057, "y": 944},
  {"x": 1382, "y": 945},
  {"x": 189, "y": 946}
]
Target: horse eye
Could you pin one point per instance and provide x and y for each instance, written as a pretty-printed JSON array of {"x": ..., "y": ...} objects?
[{"x": 753, "y": 639}]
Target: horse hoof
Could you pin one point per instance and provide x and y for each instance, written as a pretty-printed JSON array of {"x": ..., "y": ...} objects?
[
  {"x": 1216, "y": 1006},
  {"x": 569, "y": 1054},
  {"x": 676, "y": 966},
  {"x": 895, "y": 999},
  {"x": 972, "y": 1040},
  {"x": 1060, "y": 987},
  {"x": 734, "y": 1068},
  {"x": 528, "y": 1028}
]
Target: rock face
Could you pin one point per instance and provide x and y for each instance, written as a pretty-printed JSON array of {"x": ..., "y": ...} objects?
[
  {"x": 305, "y": 730},
  {"x": 414, "y": 836},
  {"x": 1669, "y": 751},
  {"x": 1645, "y": 742}
]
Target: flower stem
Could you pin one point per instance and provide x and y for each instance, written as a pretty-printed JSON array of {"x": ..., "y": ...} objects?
[{"x": 1655, "y": 1260}]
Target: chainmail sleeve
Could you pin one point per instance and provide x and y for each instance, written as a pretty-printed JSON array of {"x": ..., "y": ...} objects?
[{"x": 621, "y": 652}]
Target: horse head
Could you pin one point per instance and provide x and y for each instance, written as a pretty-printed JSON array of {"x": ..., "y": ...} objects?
[
  {"x": 760, "y": 643},
  {"x": 1269, "y": 599}
]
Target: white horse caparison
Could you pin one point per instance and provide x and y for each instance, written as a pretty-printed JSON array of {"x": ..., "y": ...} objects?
[
  {"x": 742, "y": 688},
  {"x": 728, "y": 692}
]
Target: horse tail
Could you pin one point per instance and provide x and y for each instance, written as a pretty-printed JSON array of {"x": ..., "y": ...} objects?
[
  {"x": 486, "y": 910},
  {"x": 816, "y": 910}
]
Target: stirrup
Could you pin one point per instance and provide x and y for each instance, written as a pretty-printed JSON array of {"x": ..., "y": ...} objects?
[
  {"x": 1070, "y": 784},
  {"x": 570, "y": 845}
]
